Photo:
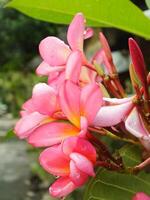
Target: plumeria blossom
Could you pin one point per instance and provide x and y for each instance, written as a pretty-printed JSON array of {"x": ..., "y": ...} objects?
[
  {"x": 73, "y": 161},
  {"x": 76, "y": 105},
  {"x": 48, "y": 128},
  {"x": 40, "y": 122},
  {"x": 55, "y": 52},
  {"x": 141, "y": 196}
]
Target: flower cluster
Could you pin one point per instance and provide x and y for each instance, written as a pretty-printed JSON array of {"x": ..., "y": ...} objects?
[{"x": 80, "y": 98}]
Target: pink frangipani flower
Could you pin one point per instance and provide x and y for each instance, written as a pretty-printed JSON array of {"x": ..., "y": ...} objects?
[
  {"x": 40, "y": 123},
  {"x": 78, "y": 107},
  {"x": 55, "y": 52},
  {"x": 73, "y": 161},
  {"x": 76, "y": 104}
]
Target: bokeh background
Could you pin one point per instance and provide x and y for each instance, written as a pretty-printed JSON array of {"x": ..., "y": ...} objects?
[{"x": 21, "y": 178}]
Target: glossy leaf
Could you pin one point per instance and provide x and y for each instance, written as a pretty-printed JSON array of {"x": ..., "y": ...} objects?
[
  {"x": 110, "y": 185},
  {"x": 121, "y": 14},
  {"x": 131, "y": 155},
  {"x": 120, "y": 186}
]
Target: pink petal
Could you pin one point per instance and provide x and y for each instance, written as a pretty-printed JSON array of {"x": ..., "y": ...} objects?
[
  {"x": 28, "y": 123},
  {"x": 52, "y": 133},
  {"x": 141, "y": 196},
  {"x": 135, "y": 125},
  {"x": 75, "y": 35},
  {"x": 62, "y": 187},
  {"x": 78, "y": 177},
  {"x": 112, "y": 115},
  {"x": 54, "y": 51},
  {"x": 91, "y": 101},
  {"x": 56, "y": 79},
  {"x": 45, "y": 69},
  {"x": 54, "y": 161},
  {"x": 79, "y": 145},
  {"x": 117, "y": 101},
  {"x": 83, "y": 164},
  {"x": 24, "y": 113},
  {"x": 44, "y": 99},
  {"x": 53, "y": 76},
  {"x": 83, "y": 127},
  {"x": 28, "y": 106},
  {"x": 88, "y": 33},
  {"x": 69, "y": 97},
  {"x": 73, "y": 66}
]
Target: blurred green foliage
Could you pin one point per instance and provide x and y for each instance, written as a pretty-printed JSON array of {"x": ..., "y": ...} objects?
[
  {"x": 19, "y": 40},
  {"x": 15, "y": 88}
]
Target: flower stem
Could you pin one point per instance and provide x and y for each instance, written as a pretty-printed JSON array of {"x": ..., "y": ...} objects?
[
  {"x": 102, "y": 148},
  {"x": 142, "y": 165},
  {"x": 110, "y": 134},
  {"x": 105, "y": 132},
  {"x": 108, "y": 165}
]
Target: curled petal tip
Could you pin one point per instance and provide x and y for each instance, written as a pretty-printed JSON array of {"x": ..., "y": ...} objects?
[
  {"x": 62, "y": 187},
  {"x": 88, "y": 33}
]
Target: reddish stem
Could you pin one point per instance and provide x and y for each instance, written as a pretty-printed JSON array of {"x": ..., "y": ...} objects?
[
  {"x": 102, "y": 147},
  {"x": 108, "y": 165},
  {"x": 90, "y": 66},
  {"x": 142, "y": 165}
]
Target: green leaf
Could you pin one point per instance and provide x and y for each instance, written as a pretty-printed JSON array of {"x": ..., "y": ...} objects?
[
  {"x": 122, "y": 14},
  {"x": 110, "y": 185},
  {"x": 147, "y": 3},
  {"x": 131, "y": 155},
  {"x": 120, "y": 186}
]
